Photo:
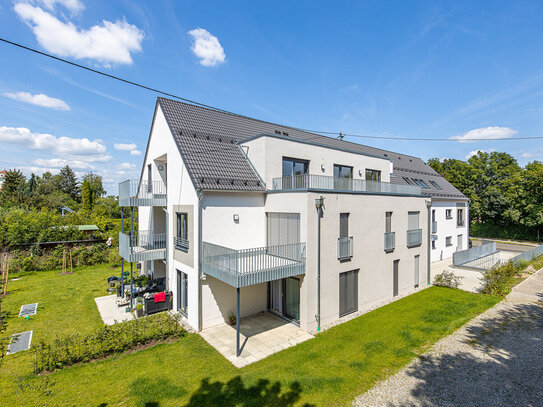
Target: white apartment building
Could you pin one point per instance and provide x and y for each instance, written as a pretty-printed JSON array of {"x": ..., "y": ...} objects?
[{"x": 228, "y": 218}]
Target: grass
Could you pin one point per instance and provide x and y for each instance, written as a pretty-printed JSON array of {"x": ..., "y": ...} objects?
[{"x": 331, "y": 369}]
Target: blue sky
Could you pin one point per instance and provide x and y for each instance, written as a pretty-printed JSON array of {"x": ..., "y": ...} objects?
[{"x": 380, "y": 68}]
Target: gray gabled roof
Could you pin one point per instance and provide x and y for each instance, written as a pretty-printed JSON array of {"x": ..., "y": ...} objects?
[{"x": 207, "y": 140}]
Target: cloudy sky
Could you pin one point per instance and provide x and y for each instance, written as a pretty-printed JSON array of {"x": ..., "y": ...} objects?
[{"x": 428, "y": 69}]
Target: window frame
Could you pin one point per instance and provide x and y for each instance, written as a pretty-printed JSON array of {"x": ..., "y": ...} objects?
[
  {"x": 448, "y": 241},
  {"x": 372, "y": 172},
  {"x": 448, "y": 214},
  {"x": 182, "y": 231}
]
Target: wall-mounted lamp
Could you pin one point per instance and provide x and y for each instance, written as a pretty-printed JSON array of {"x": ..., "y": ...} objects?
[
  {"x": 322, "y": 167},
  {"x": 236, "y": 218},
  {"x": 360, "y": 172},
  {"x": 160, "y": 167}
]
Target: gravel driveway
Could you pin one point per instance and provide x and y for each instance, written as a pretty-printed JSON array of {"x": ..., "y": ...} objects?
[{"x": 494, "y": 360}]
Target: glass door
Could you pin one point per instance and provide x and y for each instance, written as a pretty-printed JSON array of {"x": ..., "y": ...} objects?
[{"x": 292, "y": 298}]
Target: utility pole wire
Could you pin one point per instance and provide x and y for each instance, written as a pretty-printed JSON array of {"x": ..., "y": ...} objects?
[{"x": 340, "y": 134}]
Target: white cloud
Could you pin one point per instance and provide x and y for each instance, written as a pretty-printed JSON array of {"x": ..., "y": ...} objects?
[
  {"x": 75, "y": 6},
  {"x": 47, "y": 142},
  {"x": 38, "y": 100},
  {"x": 135, "y": 152},
  {"x": 533, "y": 154},
  {"x": 126, "y": 166},
  {"x": 207, "y": 47},
  {"x": 61, "y": 162},
  {"x": 108, "y": 43},
  {"x": 125, "y": 147},
  {"x": 474, "y": 152},
  {"x": 485, "y": 133}
]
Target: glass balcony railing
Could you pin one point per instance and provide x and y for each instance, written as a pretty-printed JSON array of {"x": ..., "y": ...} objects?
[
  {"x": 323, "y": 182},
  {"x": 390, "y": 241},
  {"x": 345, "y": 248},
  {"x": 434, "y": 227},
  {"x": 414, "y": 237}
]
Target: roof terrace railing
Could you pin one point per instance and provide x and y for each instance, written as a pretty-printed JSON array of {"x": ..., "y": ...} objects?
[
  {"x": 245, "y": 267},
  {"x": 142, "y": 193},
  {"x": 324, "y": 182}
]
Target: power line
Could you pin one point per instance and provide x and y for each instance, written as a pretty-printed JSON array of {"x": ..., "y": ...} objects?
[{"x": 339, "y": 134}]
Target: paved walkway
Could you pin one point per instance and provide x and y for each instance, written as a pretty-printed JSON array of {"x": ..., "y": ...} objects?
[
  {"x": 494, "y": 360},
  {"x": 110, "y": 312},
  {"x": 260, "y": 336}
]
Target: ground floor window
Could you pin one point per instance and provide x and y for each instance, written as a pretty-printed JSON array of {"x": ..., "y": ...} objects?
[
  {"x": 395, "y": 277},
  {"x": 285, "y": 298},
  {"x": 417, "y": 263},
  {"x": 433, "y": 244},
  {"x": 448, "y": 241},
  {"x": 182, "y": 292},
  {"x": 348, "y": 292}
]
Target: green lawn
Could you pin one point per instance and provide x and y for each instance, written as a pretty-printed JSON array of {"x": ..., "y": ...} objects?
[{"x": 333, "y": 368}]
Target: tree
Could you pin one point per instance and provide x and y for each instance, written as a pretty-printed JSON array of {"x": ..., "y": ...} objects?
[
  {"x": 87, "y": 196},
  {"x": 66, "y": 181},
  {"x": 13, "y": 187},
  {"x": 31, "y": 186}
]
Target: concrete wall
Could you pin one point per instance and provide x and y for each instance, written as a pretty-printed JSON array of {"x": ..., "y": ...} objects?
[
  {"x": 448, "y": 227},
  {"x": 266, "y": 155}
]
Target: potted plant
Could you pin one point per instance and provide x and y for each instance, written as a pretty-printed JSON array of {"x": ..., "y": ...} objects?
[
  {"x": 139, "y": 310},
  {"x": 231, "y": 319}
]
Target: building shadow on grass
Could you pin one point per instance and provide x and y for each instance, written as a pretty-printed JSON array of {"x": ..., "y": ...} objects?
[
  {"x": 150, "y": 391},
  {"x": 236, "y": 393},
  {"x": 505, "y": 368}
]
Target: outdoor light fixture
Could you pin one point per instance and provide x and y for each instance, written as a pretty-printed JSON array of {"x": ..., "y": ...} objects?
[
  {"x": 160, "y": 167},
  {"x": 236, "y": 218},
  {"x": 322, "y": 167},
  {"x": 319, "y": 203}
]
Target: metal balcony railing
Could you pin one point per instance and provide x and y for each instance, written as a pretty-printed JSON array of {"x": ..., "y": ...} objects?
[
  {"x": 434, "y": 227},
  {"x": 345, "y": 248},
  {"x": 142, "y": 245},
  {"x": 180, "y": 243},
  {"x": 245, "y": 267},
  {"x": 142, "y": 193},
  {"x": 323, "y": 182},
  {"x": 390, "y": 241},
  {"x": 414, "y": 237}
]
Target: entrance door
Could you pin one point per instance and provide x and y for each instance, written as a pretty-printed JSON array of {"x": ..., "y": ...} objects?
[
  {"x": 459, "y": 243},
  {"x": 182, "y": 292},
  {"x": 395, "y": 277}
]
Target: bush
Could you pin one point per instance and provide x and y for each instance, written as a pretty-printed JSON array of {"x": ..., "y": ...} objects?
[
  {"x": 109, "y": 340},
  {"x": 447, "y": 279},
  {"x": 499, "y": 280}
]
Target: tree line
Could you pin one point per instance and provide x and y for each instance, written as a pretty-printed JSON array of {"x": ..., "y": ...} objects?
[{"x": 506, "y": 198}]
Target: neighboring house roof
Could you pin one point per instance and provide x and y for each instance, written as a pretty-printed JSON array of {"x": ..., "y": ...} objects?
[
  {"x": 207, "y": 140},
  {"x": 88, "y": 227}
]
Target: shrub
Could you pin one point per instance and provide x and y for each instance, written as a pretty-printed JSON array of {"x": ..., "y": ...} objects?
[
  {"x": 77, "y": 348},
  {"x": 499, "y": 280},
  {"x": 447, "y": 279}
]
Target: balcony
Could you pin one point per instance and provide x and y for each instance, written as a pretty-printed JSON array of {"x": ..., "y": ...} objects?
[
  {"x": 310, "y": 182},
  {"x": 345, "y": 248},
  {"x": 142, "y": 245},
  {"x": 390, "y": 241},
  {"x": 414, "y": 237},
  {"x": 241, "y": 268},
  {"x": 181, "y": 244},
  {"x": 434, "y": 227},
  {"x": 142, "y": 193}
]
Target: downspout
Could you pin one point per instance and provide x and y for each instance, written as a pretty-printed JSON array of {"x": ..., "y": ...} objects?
[
  {"x": 319, "y": 215},
  {"x": 122, "y": 259},
  {"x": 167, "y": 251},
  {"x": 200, "y": 194},
  {"x": 429, "y": 249}
]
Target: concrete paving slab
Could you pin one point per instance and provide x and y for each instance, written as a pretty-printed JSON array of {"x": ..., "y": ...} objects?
[{"x": 110, "y": 312}]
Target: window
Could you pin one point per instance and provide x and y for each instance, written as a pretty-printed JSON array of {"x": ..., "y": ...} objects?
[
  {"x": 408, "y": 180},
  {"x": 149, "y": 178},
  {"x": 413, "y": 220},
  {"x": 388, "y": 222},
  {"x": 435, "y": 185},
  {"x": 181, "y": 240},
  {"x": 395, "y": 277},
  {"x": 295, "y": 171},
  {"x": 348, "y": 292},
  {"x": 448, "y": 241},
  {"x": 344, "y": 249},
  {"x": 343, "y": 225},
  {"x": 460, "y": 217},
  {"x": 416, "y": 277},
  {"x": 283, "y": 228},
  {"x": 343, "y": 177},
  {"x": 373, "y": 175},
  {"x": 182, "y": 292},
  {"x": 433, "y": 215},
  {"x": 448, "y": 213},
  {"x": 421, "y": 183},
  {"x": 433, "y": 244}
]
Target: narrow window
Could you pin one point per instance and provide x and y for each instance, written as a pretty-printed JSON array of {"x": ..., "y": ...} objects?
[
  {"x": 433, "y": 244},
  {"x": 395, "y": 277},
  {"x": 416, "y": 277},
  {"x": 448, "y": 213},
  {"x": 181, "y": 240},
  {"x": 343, "y": 225},
  {"x": 448, "y": 241},
  {"x": 460, "y": 217},
  {"x": 149, "y": 178},
  {"x": 388, "y": 222},
  {"x": 348, "y": 292},
  {"x": 413, "y": 220}
]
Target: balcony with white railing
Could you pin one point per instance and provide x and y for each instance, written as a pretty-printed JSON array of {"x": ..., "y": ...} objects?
[
  {"x": 244, "y": 267},
  {"x": 414, "y": 237},
  {"x": 310, "y": 182},
  {"x": 390, "y": 241},
  {"x": 142, "y": 193},
  {"x": 345, "y": 248},
  {"x": 142, "y": 245}
]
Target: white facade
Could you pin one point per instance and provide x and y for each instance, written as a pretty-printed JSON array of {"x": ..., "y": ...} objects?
[
  {"x": 451, "y": 235},
  {"x": 239, "y": 220}
]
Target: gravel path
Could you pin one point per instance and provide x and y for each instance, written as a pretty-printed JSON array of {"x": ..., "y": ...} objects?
[{"x": 494, "y": 360}]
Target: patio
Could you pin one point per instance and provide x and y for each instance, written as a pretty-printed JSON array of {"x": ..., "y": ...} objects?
[
  {"x": 261, "y": 335},
  {"x": 110, "y": 312}
]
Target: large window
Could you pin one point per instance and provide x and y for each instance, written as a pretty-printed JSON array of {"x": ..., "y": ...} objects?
[
  {"x": 182, "y": 292},
  {"x": 294, "y": 171},
  {"x": 343, "y": 177},
  {"x": 373, "y": 175},
  {"x": 181, "y": 240}
]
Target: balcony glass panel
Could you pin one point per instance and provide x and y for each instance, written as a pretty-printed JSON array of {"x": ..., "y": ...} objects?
[
  {"x": 345, "y": 248},
  {"x": 390, "y": 241},
  {"x": 414, "y": 237}
]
